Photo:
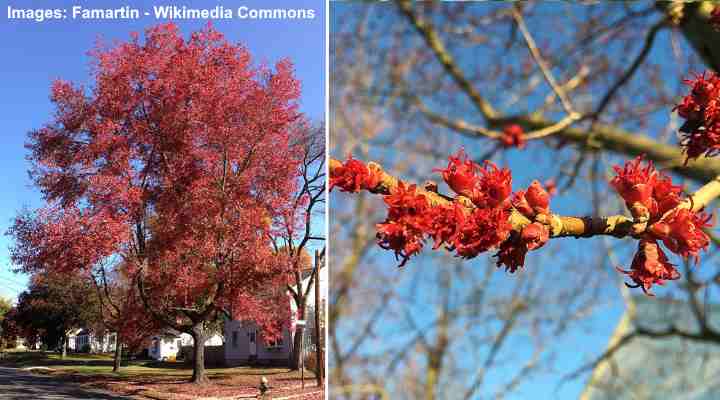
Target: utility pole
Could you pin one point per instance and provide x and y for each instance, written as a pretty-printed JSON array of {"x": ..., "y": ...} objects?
[{"x": 319, "y": 370}]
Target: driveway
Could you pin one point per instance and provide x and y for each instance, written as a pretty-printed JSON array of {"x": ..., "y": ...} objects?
[{"x": 20, "y": 385}]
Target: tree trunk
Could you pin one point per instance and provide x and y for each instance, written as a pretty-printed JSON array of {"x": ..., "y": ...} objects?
[
  {"x": 118, "y": 354},
  {"x": 64, "y": 346},
  {"x": 297, "y": 340},
  {"x": 199, "y": 337}
]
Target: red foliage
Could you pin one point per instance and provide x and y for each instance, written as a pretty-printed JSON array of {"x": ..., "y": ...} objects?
[
  {"x": 513, "y": 136},
  {"x": 650, "y": 267},
  {"x": 180, "y": 161},
  {"x": 701, "y": 109},
  {"x": 354, "y": 176}
]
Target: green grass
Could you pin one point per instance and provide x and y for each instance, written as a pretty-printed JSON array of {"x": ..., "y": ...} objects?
[{"x": 101, "y": 364}]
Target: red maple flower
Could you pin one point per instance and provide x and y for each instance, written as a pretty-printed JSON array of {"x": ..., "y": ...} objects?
[
  {"x": 461, "y": 174},
  {"x": 520, "y": 203},
  {"x": 535, "y": 235},
  {"x": 401, "y": 238},
  {"x": 666, "y": 195},
  {"x": 701, "y": 109},
  {"x": 406, "y": 224},
  {"x": 486, "y": 186},
  {"x": 538, "y": 198},
  {"x": 354, "y": 176},
  {"x": 494, "y": 187},
  {"x": 442, "y": 223},
  {"x": 482, "y": 230},
  {"x": 512, "y": 253},
  {"x": 646, "y": 191},
  {"x": 513, "y": 136},
  {"x": 681, "y": 231},
  {"x": 635, "y": 184},
  {"x": 650, "y": 267}
]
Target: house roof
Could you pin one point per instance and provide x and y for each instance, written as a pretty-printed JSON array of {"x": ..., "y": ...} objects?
[
  {"x": 84, "y": 331},
  {"x": 651, "y": 368}
]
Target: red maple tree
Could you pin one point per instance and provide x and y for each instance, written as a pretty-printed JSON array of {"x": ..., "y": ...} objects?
[{"x": 177, "y": 164}]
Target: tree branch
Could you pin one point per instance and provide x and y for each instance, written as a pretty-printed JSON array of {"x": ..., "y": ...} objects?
[
  {"x": 562, "y": 226},
  {"x": 436, "y": 45},
  {"x": 535, "y": 53}
]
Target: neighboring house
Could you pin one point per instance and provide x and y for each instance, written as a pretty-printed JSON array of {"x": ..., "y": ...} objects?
[
  {"x": 244, "y": 342},
  {"x": 87, "y": 341},
  {"x": 21, "y": 344},
  {"x": 658, "y": 368},
  {"x": 72, "y": 340},
  {"x": 167, "y": 344}
]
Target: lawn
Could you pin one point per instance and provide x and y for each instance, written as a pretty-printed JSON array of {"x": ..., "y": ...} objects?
[{"x": 144, "y": 379}]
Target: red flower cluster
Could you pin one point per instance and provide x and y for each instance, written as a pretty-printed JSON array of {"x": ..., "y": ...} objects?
[
  {"x": 412, "y": 218},
  {"x": 531, "y": 203},
  {"x": 486, "y": 186},
  {"x": 650, "y": 266},
  {"x": 513, "y": 136},
  {"x": 467, "y": 231},
  {"x": 354, "y": 176},
  {"x": 406, "y": 224},
  {"x": 653, "y": 199},
  {"x": 701, "y": 109},
  {"x": 647, "y": 193}
]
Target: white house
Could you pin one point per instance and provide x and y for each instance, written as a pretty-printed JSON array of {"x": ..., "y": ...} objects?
[
  {"x": 72, "y": 340},
  {"x": 167, "y": 344},
  {"x": 244, "y": 343},
  {"x": 91, "y": 342}
]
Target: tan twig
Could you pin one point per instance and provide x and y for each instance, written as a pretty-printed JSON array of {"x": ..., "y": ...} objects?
[
  {"x": 457, "y": 125},
  {"x": 535, "y": 52}
]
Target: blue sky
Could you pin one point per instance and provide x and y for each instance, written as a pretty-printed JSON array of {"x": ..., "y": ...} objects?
[{"x": 35, "y": 53}]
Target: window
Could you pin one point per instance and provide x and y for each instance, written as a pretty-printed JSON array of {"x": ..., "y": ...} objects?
[
  {"x": 235, "y": 339},
  {"x": 274, "y": 344}
]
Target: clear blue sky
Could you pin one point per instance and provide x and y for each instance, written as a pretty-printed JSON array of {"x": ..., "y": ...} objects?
[{"x": 35, "y": 53}]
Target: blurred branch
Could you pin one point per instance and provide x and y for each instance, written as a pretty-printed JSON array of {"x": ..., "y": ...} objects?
[
  {"x": 625, "y": 77},
  {"x": 692, "y": 19},
  {"x": 432, "y": 39},
  {"x": 535, "y": 52}
]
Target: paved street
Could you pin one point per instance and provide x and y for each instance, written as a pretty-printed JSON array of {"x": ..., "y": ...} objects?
[{"x": 16, "y": 385}]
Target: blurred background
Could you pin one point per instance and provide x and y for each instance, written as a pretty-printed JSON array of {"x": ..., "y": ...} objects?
[{"x": 413, "y": 83}]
